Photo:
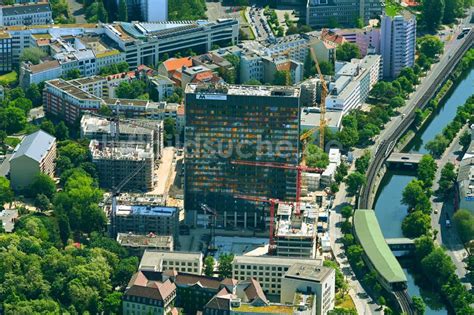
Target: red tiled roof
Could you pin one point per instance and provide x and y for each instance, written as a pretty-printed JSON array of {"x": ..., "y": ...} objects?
[
  {"x": 188, "y": 279},
  {"x": 174, "y": 64},
  {"x": 141, "y": 286},
  {"x": 332, "y": 37}
]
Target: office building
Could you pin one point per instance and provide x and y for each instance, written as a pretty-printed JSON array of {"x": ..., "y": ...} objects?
[
  {"x": 6, "y": 52},
  {"x": 324, "y": 13},
  {"x": 308, "y": 278},
  {"x": 269, "y": 271},
  {"x": 228, "y": 123},
  {"x": 145, "y": 219},
  {"x": 187, "y": 262},
  {"x": 35, "y": 154},
  {"x": 26, "y": 14},
  {"x": 397, "y": 43},
  {"x": 120, "y": 161},
  {"x": 144, "y": 295}
]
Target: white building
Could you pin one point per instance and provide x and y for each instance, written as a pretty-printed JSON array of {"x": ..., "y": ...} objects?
[
  {"x": 397, "y": 43},
  {"x": 30, "y": 73},
  {"x": 26, "y": 14},
  {"x": 308, "y": 278},
  {"x": 267, "y": 270},
  {"x": 163, "y": 85},
  {"x": 187, "y": 262},
  {"x": 35, "y": 154}
]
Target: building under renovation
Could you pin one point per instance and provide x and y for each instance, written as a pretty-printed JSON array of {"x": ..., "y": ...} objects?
[{"x": 296, "y": 235}]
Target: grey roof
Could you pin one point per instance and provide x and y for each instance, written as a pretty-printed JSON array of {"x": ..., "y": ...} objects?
[
  {"x": 34, "y": 146},
  {"x": 26, "y": 9}
]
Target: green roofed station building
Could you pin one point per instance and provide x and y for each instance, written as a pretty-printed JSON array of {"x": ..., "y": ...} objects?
[{"x": 378, "y": 255}]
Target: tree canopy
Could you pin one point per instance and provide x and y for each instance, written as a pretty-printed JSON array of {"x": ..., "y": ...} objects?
[{"x": 347, "y": 51}]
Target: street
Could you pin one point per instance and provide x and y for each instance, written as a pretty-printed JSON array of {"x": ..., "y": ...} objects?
[{"x": 448, "y": 236}]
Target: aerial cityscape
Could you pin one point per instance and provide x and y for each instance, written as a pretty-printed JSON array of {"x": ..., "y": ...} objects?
[{"x": 236, "y": 157}]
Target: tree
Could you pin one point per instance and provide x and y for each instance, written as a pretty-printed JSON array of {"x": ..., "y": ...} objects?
[
  {"x": 48, "y": 126},
  {"x": 341, "y": 284},
  {"x": 416, "y": 224},
  {"x": 282, "y": 77},
  {"x": 437, "y": 266},
  {"x": 396, "y": 102},
  {"x": 418, "y": 305},
  {"x": 464, "y": 221},
  {"x": 346, "y": 212},
  {"x": 447, "y": 180},
  {"x": 410, "y": 74},
  {"x": 122, "y": 11},
  {"x": 381, "y": 301},
  {"x": 225, "y": 265},
  {"x": 22, "y": 103},
  {"x": 32, "y": 54},
  {"x": 73, "y": 74},
  {"x": 437, "y": 146},
  {"x": 42, "y": 202},
  {"x": 102, "y": 15},
  {"x": 326, "y": 67},
  {"x": 6, "y": 193},
  {"x": 430, "y": 46},
  {"x": 341, "y": 172},
  {"x": 426, "y": 170},
  {"x": 62, "y": 131},
  {"x": 407, "y": 86},
  {"x": 465, "y": 140},
  {"x": 432, "y": 13},
  {"x": 348, "y": 137},
  {"x": 64, "y": 228},
  {"x": 452, "y": 10},
  {"x": 354, "y": 253},
  {"x": 316, "y": 157},
  {"x": 354, "y": 182},
  {"x": 347, "y": 51},
  {"x": 42, "y": 184},
  {"x": 362, "y": 163},
  {"x": 113, "y": 303},
  {"x": 415, "y": 197},
  {"x": 12, "y": 119},
  {"x": 76, "y": 152},
  {"x": 253, "y": 82},
  {"x": 33, "y": 93},
  {"x": 169, "y": 126},
  {"x": 209, "y": 266}
]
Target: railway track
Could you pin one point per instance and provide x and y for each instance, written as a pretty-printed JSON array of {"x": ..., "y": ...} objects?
[{"x": 386, "y": 146}]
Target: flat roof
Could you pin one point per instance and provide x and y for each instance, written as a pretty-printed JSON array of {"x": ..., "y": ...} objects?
[
  {"x": 153, "y": 258},
  {"x": 150, "y": 240},
  {"x": 309, "y": 272},
  {"x": 148, "y": 210},
  {"x": 373, "y": 242},
  {"x": 277, "y": 261},
  {"x": 244, "y": 90}
]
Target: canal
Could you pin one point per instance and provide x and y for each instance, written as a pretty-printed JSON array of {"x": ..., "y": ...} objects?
[{"x": 388, "y": 207}]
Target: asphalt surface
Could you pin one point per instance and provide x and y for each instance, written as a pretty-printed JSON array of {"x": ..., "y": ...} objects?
[{"x": 259, "y": 24}]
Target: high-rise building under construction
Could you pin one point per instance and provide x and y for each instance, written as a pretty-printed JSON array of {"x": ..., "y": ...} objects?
[{"x": 226, "y": 125}]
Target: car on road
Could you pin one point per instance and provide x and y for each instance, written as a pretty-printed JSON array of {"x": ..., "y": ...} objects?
[
  {"x": 460, "y": 36},
  {"x": 448, "y": 223}
]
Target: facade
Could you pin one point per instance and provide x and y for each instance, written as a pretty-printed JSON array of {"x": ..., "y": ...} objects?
[
  {"x": 269, "y": 271},
  {"x": 163, "y": 85},
  {"x": 307, "y": 278},
  {"x": 144, "y": 295},
  {"x": 145, "y": 219},
  {"x": 324, "y": 13},
  {"x": 367, "y": 39},
  {"x": 465, "y": 180},
  {"x": 120, "y": 161},
  {"x": 230, "y": 123},
  {"x": 35, "y": 154},
  {"x": 353, "y": 82},
  {"x": 397, "y": 43},
  {"x": 30, "y": 73},
  {"x": 6, "y": 52},
  {"x": 187, "y": 262},
  {"x": 26, "y": 14}
]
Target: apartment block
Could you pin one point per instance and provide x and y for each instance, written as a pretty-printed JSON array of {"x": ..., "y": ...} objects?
[
  {"x": 269, "y": 271},
  {"x": 6, "y": 52},
  {"x": 310, "y": 279},
  {"x": 227, "y": 124},
  {"x": 465, "y": 179},
  {"x": 35, "y": 154},
  {"x": 26, "y": 14},
  {"x": 117, "y": 162},
  {"x": 188, "y": 262},
  {"x": 367, "y": 38},
  {"x": 324, "y": 13},
  {"x": 398, "y": 43},
  {"x": 353, "y": 82}
]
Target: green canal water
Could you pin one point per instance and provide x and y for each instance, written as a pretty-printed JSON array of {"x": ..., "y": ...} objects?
[{"x": 388, "y": 207}]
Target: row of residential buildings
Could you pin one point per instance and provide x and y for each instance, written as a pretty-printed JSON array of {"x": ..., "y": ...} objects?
[
  {"x": 465, "y": 180},
  {"x": 173, "y": 280}
]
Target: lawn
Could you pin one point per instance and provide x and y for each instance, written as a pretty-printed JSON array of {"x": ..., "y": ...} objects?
[
  {"x": 344, "y": 301},
  {"x": 12, "y": 141},
  {"x": 8, "y": 78}
]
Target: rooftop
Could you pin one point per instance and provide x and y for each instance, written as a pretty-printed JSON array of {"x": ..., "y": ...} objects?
[
  {"x": 25, "y": 8},
  {"x": 149, "y": 210},
  {"x": 373, "y": 242},
  {"x": 276, "y": 261},
  {"x": 72, "y": 90},
  {"x": 152, "y": 259},
  {"x": 244, "y": 90},
  {"x": 150, "y": 240},
  {"x": 35, "y": 146},
  {"x": 124, "y": 151},
  {"x": 309, "y": 272},
  {"x": 268, "y": 309}
]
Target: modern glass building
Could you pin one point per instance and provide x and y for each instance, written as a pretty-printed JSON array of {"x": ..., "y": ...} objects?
[{"x": 227, "y": 126}]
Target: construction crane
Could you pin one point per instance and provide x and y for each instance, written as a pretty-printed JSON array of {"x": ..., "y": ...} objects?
[
  {"x": 322, "y": 106},
  {"x": 272, "y": 202},
  {"x": 298, "y": 168},
  {"x": 212, "y": 223}
]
